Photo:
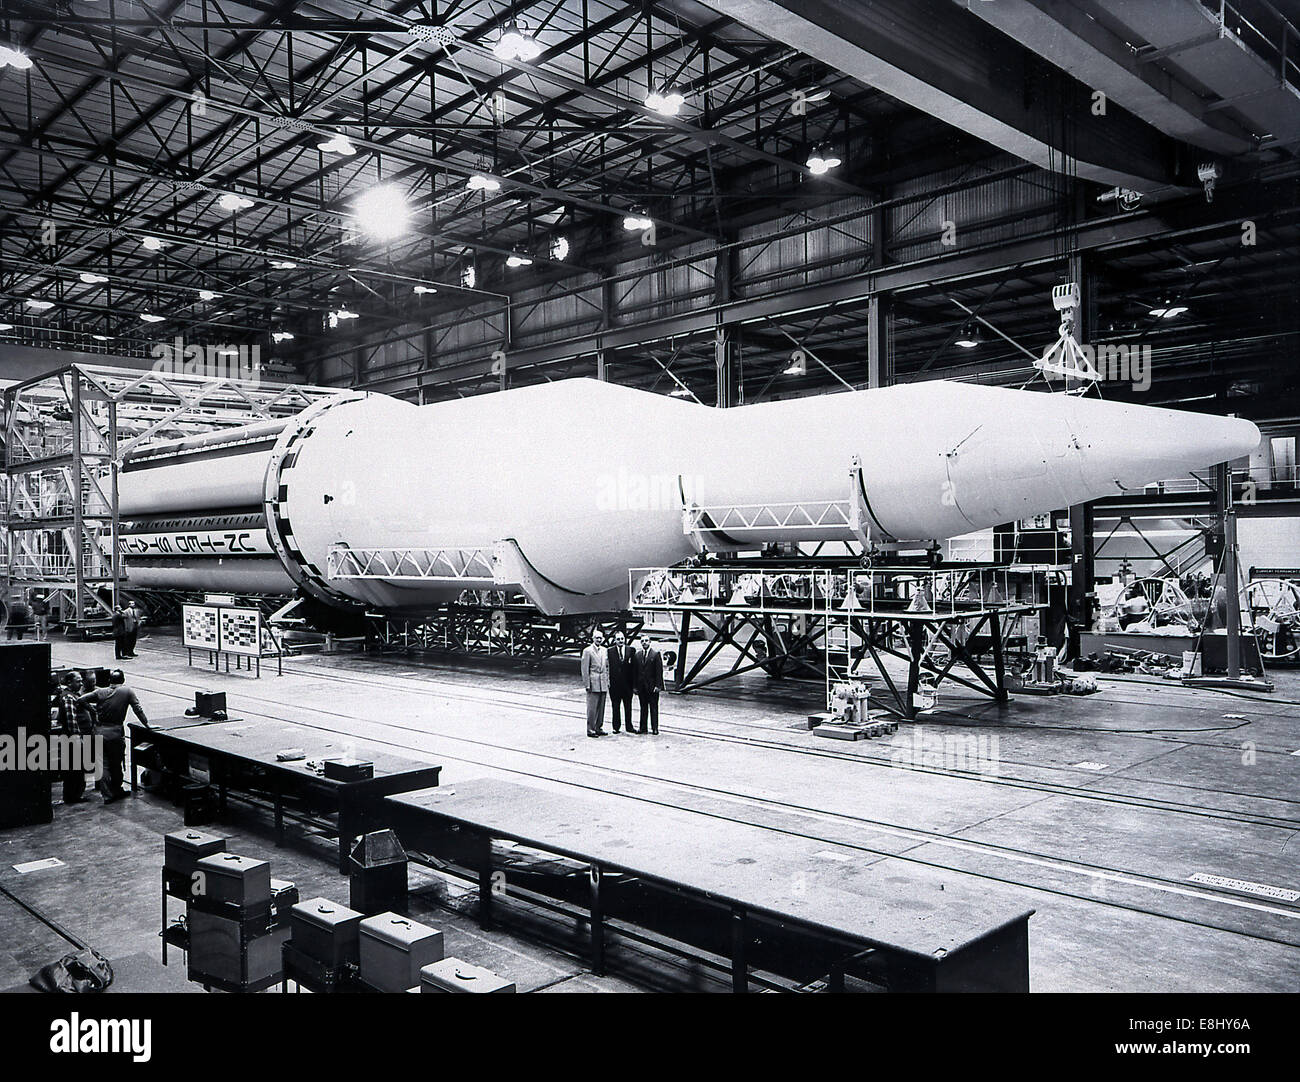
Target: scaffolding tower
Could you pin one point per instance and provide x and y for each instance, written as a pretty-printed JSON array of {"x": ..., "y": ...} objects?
[{"x": 65, "y": 435}]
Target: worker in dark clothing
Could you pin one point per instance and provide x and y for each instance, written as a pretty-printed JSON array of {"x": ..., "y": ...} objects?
[
  {"x": 77, "y": 719},
  {"x": 622, "y": 678},
  {"x": 119, "y": 632},
  {"x": 20, "y": 619},
  {"x": 649, "y": 683},
  {"x": 111, "y": 704}
]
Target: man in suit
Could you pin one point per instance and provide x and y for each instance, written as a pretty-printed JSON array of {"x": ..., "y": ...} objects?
[
  {"x": 622, "y": 680},
  {"x": 649, "y": 683},
  {"x": 131, "y": 622},
  {"x": 595, "y": 678},
  {"x": 119, "y": 632}
]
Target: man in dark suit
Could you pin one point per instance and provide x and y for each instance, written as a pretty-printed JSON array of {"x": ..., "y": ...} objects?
[
  {"x": 622, "y": 680},
  {"x": 649, "y": 683},
  {"x": 119, "y": 632}
]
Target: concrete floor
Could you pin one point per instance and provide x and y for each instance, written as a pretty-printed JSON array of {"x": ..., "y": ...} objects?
[{"x": 1093, "y": 811}]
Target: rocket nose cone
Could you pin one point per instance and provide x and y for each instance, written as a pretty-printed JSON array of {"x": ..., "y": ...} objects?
[{"x": 1141, "y": 444}]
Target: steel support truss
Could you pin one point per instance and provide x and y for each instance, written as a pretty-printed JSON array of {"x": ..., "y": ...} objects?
[
  {"x": 840, "y": 625},
  {"x": 65, "y": 435}
]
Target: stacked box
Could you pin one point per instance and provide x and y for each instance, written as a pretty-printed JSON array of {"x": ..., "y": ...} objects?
[{"x": 327, "y": 932}]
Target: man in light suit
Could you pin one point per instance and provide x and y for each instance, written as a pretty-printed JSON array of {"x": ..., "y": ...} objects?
[
  {"x": 622, "y": 679},
  {"x": 595, "y": 678},
  {"x": 649, "y": 668}
]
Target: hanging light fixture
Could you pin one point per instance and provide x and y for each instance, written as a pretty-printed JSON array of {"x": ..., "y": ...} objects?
[
  {"x": 481, "y": 182},
  {"x": 515, "y": 43},
  {"x": 665, "y": 102},
  {"x": 152, "y": 244},
  {"x": 382, "y": 212},
  {"x": 207, "y": 295},
  {"x": 337, "y": 144},
  {"x": 822, "y": 160},
  {"x": 519, "y": 259},
  {"x": 91, "y": 278},
  {"x": 232, "y": 202},
  {"x": 13, "y": 57},
  {"x": 969, "y": 337},
  {"x": 38, "y": 305}
]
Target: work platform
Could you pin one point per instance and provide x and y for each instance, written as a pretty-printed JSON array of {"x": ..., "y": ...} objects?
[
  {"x": 835, "y": 916},
  {"x": 838, "y": 624}
]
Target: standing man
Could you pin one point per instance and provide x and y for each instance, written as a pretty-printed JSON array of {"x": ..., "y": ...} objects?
[
  {"x": 622, "y": 680},
  {"x": 112, "y": 703},
  {"x": 76, "y": 718},
  {"x": 119, "y": 631},
  {"x": 595, "y": 678},
  {"x": 131, "y": 627},
  {"x": 649, "y": 683}
]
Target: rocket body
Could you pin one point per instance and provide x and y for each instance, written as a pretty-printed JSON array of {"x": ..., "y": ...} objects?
[{"x": 585, "y": 480}]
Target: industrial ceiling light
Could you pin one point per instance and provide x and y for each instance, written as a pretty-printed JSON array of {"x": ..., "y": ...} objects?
[
  {"x": 152, "y": 244},
  {"x": 382, "y": 212},
  {"x": 38, "y": 305},
  {"x": 101, "y": 337},
  {"x": 665, "y": 102},
  {"x": 515, "y": 43},
  {"x": 481, "y": 182},
  {"x": 425, "y": 289},
  {"x": 149, "y": 317},
  {"x": 337, "y": 144},
  {"x": 13, "y": 57},
  {"x": 232, "y": 202},
  {"x": 92, "y": 279},
  {"x": 822, "y": 160},
  {"x": 559, "y": 249},
  {"x": 519, "y": 259},
  {"x": 1168, "y": 310},
  {"x": 282, "y": 336},
  {"x": 636, "y": 222},
  {"x": 6, "y": 326},
  {"x": 207, "y": 295},
  {"x": 344, "y": 313},
  {"x": 469, "y": 277},
  {"x": 283, "y": 264},
  {"x": 680, "y": 391},
  {"x": 969, "y": 337}
]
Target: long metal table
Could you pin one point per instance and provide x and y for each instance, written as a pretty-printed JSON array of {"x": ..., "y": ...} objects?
[
  {"x": 242, "y": 757},
  {"x": 923, "y": 930}
]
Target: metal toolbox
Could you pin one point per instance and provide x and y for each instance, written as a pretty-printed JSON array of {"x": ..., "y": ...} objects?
[
  {"x": 229, "y": 953},
  {"x": 235, "y": 880},
  {"x": 183, "y": 850},
  {"x": 349, "y": 769},
  {"x": 394, "y": 949},
  {"x": 453, "y": 975},
  {"x": 326, "y": 932}
]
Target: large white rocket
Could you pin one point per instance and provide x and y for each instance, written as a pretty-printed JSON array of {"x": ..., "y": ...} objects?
[{"x": 561, "y": 489}]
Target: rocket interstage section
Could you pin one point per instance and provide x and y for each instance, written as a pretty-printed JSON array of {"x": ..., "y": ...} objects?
[{"x": 561, "y": 489}]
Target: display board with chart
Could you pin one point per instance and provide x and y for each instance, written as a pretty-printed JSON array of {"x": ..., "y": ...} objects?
[
  {"x": 199, "y": 628},
  {"x": 241, "y": 631}
]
